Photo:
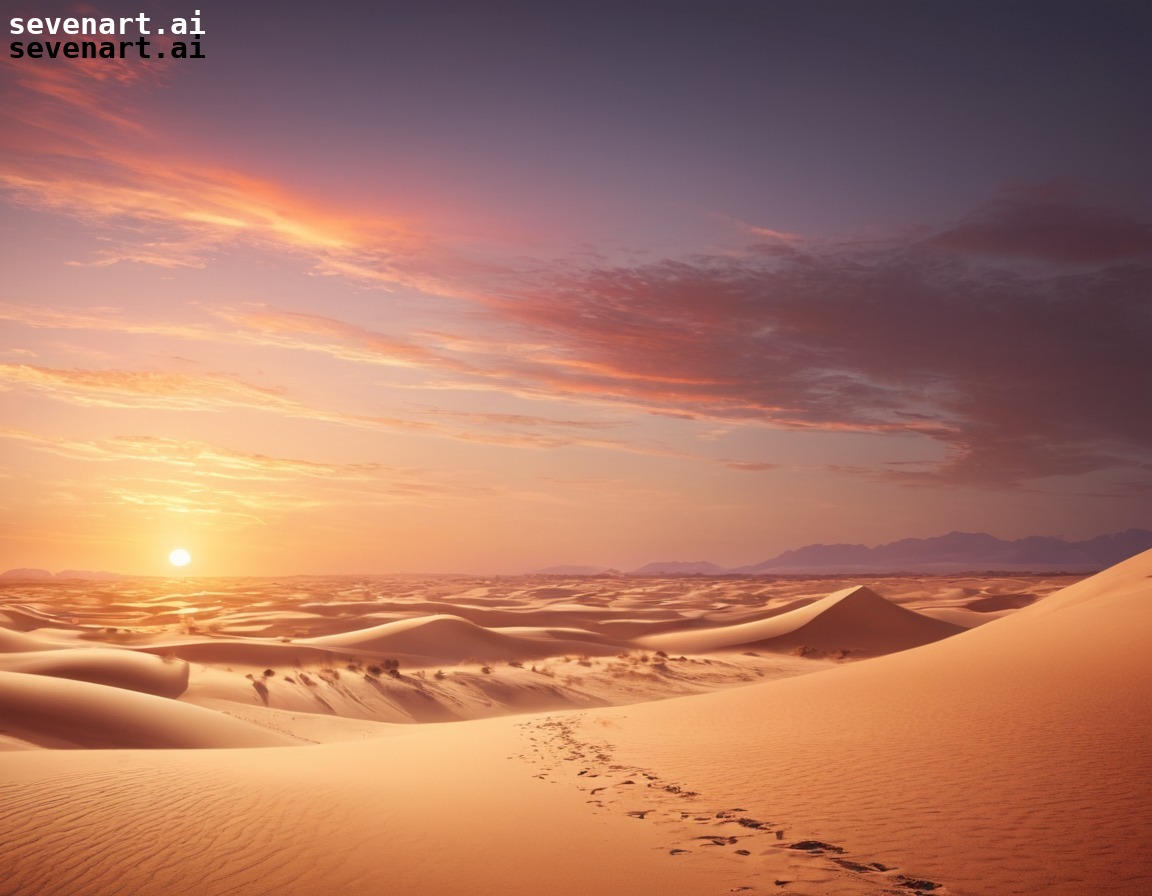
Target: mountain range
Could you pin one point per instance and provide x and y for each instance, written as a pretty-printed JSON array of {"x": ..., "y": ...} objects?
[{"x": 951, "y": 553}]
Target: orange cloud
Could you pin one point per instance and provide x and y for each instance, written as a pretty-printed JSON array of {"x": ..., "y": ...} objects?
[
  {"x": 72, "y": 144},
  {"x": 153, "y": 390},
  {"x": 223, "y": 487}
]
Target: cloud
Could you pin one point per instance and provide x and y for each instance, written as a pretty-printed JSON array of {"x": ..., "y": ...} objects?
[
  {"x": 1019, "y": 374},
  {"x": 1020, "y": 377},
  {"x": 1048, "y": 223},
  {"x": 227, "y": 487},
  {"x": 73, "y": 143},
  {"x": 213, "y": 393},
  {"x": 199, "y": 459}
]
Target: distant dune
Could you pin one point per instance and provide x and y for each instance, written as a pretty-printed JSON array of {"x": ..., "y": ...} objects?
[
  {"x": 443, "y": 638},
  {"x": 855, "y": 621},
  {"x": 679, "y": 568},
  {"x": 572, "y": 570}
]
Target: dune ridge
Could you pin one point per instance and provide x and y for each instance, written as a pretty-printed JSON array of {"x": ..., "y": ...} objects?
[
  {"x": 113, "y": 668},
  {"x": 855, "y": 620},
  {"x": 446, "y": 638},
  {"x": 56, "y": 712}
]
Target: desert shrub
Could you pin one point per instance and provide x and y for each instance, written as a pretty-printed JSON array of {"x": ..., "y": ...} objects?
[
  {"x": 487, "y": 670},
  {"x": 516, "y": 664},
  {"x": 268, "y": 673},
  {"x": 440, "y": 674},
  {"x": 394, "y": 672},
  {"x": 375, "y": 670}
]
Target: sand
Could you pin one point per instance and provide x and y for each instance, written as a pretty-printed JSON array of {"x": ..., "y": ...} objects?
[{"x": 961, "y": 735}]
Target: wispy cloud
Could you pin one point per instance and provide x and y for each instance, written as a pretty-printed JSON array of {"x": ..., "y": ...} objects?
[
  {"x": 209, "y": 393},
  {"x": 1019, "y": 373},
  {"x": 73, "y": 144},
  {"x": 221, "y": 486}
]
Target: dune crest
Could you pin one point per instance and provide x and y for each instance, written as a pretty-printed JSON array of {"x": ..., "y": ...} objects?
[
  {"x": 58, "y": 712},
  {"x": 855, "y": 621},
  {"x": 446, "y": 638},
  {"x": 114, "y": 668}
]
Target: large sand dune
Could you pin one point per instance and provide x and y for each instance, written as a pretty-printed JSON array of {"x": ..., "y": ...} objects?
[
  {"x": 444, "y": 638},
  {"x": 853, "y": 621},
  {"x": 1011, "y": 758},
  {"x": 1014, "y": 758}
]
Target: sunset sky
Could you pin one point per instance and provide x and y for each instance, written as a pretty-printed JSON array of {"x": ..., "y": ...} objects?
[{"x": 488, "y": 287}]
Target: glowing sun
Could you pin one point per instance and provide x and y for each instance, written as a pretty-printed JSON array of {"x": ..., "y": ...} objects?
[{"x": 179, "y": 557}]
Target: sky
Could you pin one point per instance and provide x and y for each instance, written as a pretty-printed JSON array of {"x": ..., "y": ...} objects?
[{"x": 494, "y": 287}]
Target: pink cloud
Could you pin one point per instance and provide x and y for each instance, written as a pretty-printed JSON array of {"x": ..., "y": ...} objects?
[{"x": 73, "y": 144}]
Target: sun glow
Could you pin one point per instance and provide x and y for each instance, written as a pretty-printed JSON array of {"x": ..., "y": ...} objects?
[{"x": 179, "y": 557}]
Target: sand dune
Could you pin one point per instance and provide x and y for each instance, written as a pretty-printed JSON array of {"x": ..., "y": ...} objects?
[
  {"x": 853, "y": 621},
  {"x": 56, "y": 712},
  {"x": 444, "y": 638},
  {"x": 15, "y": 641},
  {"x": 114, "y": 668},
  {"x": 1009, "y": 759}
]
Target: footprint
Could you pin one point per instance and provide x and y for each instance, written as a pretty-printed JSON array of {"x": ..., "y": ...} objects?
[{"x": 816, "y": 846}]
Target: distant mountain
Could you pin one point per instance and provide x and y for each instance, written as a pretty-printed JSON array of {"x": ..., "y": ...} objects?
[
  {"x": 572, "y": 570},
  {"x": 26, "y": 574},
  {"x": 89, "y": 575},
  {"x": 961, "y": 552},
  {"x": 86, "y": 574},
  {"x": 679, "y": 568}
]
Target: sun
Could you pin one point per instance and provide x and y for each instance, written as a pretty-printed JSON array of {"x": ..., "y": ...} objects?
[{"x": 179, "y": 557}]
